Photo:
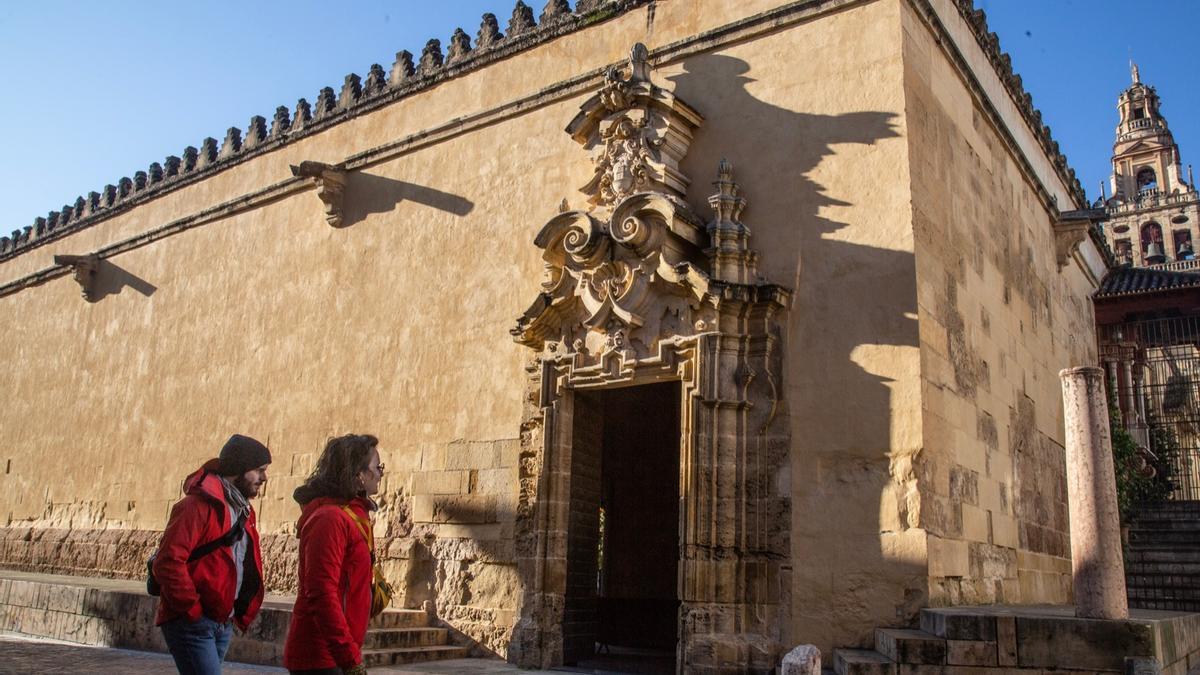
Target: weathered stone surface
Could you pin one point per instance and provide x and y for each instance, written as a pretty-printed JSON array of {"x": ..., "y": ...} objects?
[
  {"x": 1096, "y": 555},
  {"x": 1084, "y": 643},
  {"x": 803, "y": 660}
]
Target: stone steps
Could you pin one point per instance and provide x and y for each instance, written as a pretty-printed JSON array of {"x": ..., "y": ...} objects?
[
  {"x": 1162, "y": 568},
  {"x": 1184, "y": 568},
  {"x": 1162, "y": 554},
  {"x": 905, "y": 645},
  {"x": 405, "y": 638},
  {"x": 1026, "y": 640},
  {"x": 862, "y": 662},
  {"x": 1186, "y": 539},
  {"x": 374, "y": 658}
]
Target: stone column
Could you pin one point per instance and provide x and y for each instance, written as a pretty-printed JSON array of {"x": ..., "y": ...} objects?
[
  {"x": 1096, "y": 562},
  {"x": 1130, "y": 416}
]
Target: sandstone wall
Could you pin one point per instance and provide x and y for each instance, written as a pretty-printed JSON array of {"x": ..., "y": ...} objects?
[{"x": 998, "y": 320}]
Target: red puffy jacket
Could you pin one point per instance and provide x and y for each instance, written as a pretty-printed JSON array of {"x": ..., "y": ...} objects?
[
  {"x": 333, "y": 605},
  {"x": 205, "y": 586}
]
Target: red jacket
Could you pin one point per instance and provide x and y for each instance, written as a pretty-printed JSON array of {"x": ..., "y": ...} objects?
[
  {"x": 205, "y": 586},
  {"x": 333, "y": 605}
]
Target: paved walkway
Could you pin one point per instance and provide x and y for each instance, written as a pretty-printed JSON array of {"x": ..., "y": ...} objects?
[{"x": 20, "y": 655}]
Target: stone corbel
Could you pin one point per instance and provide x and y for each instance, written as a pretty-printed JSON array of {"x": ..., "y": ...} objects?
[
  {"x": 330, "y": 182},
  {"x": 1070, "y": 230},
  {"x": 85, "y": 268}
]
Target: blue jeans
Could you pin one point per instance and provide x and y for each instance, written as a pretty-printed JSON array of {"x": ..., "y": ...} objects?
[{"x": 198, "y": 648}]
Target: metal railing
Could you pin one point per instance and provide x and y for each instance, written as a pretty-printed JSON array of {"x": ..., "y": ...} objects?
[{"x": 1156, "y": 365}]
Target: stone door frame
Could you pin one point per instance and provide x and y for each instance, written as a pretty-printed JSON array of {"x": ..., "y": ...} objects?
[{"x": 733, "y": 568}]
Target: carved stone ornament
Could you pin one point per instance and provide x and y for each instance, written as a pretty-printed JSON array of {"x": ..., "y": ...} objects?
[
  {"x": 1070, "y": 230},
  {"x": 639, "y": 262},
  {"x": 638, "y": 134},
  {"x": 330, "y": 182},
  {"x": 84, "y": 268}
]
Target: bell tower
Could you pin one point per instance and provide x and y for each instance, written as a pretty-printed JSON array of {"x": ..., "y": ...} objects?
[{"x": 1153, "y": 211}]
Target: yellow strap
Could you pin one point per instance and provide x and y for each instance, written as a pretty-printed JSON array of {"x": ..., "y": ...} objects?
[{"x": 366, "y": 531}]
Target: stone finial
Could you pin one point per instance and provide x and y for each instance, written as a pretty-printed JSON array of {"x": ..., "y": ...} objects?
[
  {"x": 84, "y": 268},
  {"x": 730, "y": 253},
  {"x": 326, "y": 104},
  {"x": 22, "y": 236},
  {"x": 139, "y": 181},
  {"x": 80, "y": 209},
  {"x": 48, "y": 224},
  {"x": 110, "y": 196},
  {"x": 65, "y": 215},
  {"x": 431, "y": 58},
  {"x": 489, "y": 32},
  {"x": 376, "y": 81},
  {"x": 639, "y": 63},
  {"x": 554, "y": 11},
  {"x": 208, "y": 153},
  {"x": 522, "y": 20},
  {"x": 172, "y": 165},
  {"x": 402, "y": 69},
  {"x": 281, "y": 122},
  {"x": 124, "y": 188},
  {"x": 6, "y": 245},
  {"x": 303, "y": 115},
  {"x": 155, "y": 173},
  {"x": 460, "y": 46},
  {"x": 256, "y": 132},
  {"x": 93, "y": 202},
  {"x": 232, "y": 143},
  {"x": 330, "y": 182},
  {"x": 191, "y": 157},
  {"x": 351, "y": 92}
]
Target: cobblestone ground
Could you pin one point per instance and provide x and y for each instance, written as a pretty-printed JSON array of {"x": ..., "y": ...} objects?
[{"x": 24, "y": 656}]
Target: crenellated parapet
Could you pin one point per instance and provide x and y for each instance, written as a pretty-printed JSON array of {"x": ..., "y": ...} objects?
[
  {"x": 356, "y": 96},
  {"x": 1002, "y": 62}
]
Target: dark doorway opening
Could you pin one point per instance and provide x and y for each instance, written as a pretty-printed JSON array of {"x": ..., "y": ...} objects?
[{"x": 622, "y": 602}]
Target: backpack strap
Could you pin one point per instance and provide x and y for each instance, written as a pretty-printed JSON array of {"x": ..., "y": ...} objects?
[
  {"x": 363, "y": 528},
  {"x": 227, "y": 539}
]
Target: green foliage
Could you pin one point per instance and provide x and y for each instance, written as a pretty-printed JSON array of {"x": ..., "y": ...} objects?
[{"x": 1133, "y": 487}]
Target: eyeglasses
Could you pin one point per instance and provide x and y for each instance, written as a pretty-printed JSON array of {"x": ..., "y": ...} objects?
[{"x": 381, "y": 467}]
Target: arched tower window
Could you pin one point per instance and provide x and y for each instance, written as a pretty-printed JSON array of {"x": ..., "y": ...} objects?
[
  {"x": 1183, "y": 245},
  {"x": 1146, "y": 179},
  {"x": 1152, "y": 243}
]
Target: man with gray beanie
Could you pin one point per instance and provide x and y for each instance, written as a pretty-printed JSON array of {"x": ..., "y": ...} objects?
[{"x": 208, "y": 566}]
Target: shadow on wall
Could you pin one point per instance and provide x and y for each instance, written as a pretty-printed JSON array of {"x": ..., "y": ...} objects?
[
  {"x": 854, "y": 303},
  {"x": 366, "y": 194},
  {"x": 111, "y": 279}
]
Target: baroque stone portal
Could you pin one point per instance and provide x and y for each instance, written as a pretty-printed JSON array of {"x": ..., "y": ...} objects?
[{"x": 639, "y": 289}]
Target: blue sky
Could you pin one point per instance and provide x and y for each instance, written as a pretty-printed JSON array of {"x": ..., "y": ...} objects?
[{"x": 96, "y": 91}]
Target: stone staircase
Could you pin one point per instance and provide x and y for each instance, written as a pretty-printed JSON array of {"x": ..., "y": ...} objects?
[
  {"x": 1011, "y": 640},
  {"x": 401, "y": 636},
  {"x": 1162, "y": 560}
]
